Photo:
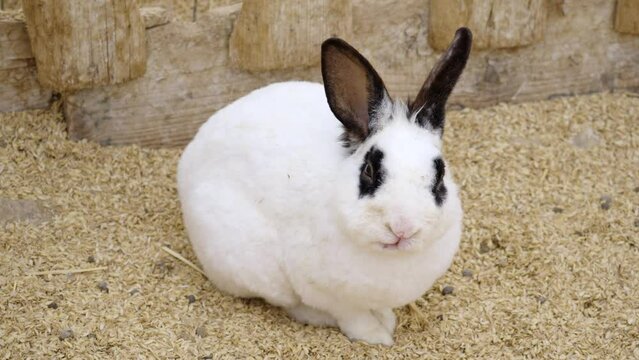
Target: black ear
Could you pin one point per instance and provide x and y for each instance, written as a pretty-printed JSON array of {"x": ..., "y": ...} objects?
[
  {"x": 430, "y": 103},
  {"x": 353, "y": 88}
]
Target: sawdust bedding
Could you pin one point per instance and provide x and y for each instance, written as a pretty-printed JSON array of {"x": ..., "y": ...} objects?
[{"x": 547, "y": 266}]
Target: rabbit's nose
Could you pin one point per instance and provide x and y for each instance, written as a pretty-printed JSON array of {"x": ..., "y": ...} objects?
[{"x": 403, "y": 229}]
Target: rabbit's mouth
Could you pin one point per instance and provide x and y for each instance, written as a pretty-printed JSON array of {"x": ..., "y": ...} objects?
[
  {"x": 401, "y": 241},
  {"x": 399, "y": 244}
]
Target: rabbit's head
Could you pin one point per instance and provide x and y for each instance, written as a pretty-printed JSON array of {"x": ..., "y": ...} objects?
[{"x": 394, "y": 191}]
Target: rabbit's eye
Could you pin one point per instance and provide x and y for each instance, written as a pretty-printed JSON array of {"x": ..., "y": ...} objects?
[
  {"x": 368, "y": 171},
  {"x": 371, "y": 172}
]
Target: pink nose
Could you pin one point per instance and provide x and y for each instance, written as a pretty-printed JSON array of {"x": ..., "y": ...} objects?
[{"x": 403, "y": 229}]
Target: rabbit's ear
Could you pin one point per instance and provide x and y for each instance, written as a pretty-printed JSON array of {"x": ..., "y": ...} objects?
[
  {"x": 430, "y": 103},
  {"x": 353, "y": 88}
]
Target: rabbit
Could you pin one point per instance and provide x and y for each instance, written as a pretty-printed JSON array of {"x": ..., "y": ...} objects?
[{"x": 331, "y": 201}]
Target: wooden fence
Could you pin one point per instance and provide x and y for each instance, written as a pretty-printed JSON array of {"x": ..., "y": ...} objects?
[{"x": 139, "y": 75}]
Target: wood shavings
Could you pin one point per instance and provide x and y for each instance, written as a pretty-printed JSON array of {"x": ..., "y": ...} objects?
[{"x": 548, "y": 284}]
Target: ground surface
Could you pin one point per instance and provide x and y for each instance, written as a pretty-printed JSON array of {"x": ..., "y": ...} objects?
[{"x": 554, "y": 266}]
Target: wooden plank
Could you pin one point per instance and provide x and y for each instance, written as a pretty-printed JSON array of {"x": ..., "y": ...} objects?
[
  {"x": 82, "y": 44},
  {"x": 495, "y": 24},
  {"x": 187, "y": 81},
  {"x": 568, "y": 61},
  {"x": 19, "y": 87},
  {"x": 280, "y": 34},
  {"x": 11, "y": 5},
  {"x": 627, "y": 16}
]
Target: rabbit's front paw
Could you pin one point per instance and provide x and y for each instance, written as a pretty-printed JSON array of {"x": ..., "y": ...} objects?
[
  {"x": 387, "y": 318},
  {"x": 366, "y": 327}
]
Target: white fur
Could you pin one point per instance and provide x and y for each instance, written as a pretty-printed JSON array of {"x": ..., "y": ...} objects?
[{"x": 271, "y": 205}]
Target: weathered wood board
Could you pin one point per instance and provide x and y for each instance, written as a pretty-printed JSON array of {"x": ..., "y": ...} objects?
[
  {"x": 627, "y": 17},
  {"x": 184, "y": 86},
  {"x": 281, "y": 34},
  {"x": 495, "y": 24},
  {"x": 19, "y": 87},
  {"x": 153, "y": 16},
  {"x": 190, "y": 75},
  {"x": 10, "y": 4},
  {"x": 84, "y": 44}
]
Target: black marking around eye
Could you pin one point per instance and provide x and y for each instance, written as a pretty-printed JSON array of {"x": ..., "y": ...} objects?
[
  {"x": 439, "y": 190},
  {"x": 367, "y": 185}
]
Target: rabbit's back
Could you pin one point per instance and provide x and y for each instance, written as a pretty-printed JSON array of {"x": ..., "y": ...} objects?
[
  {"x": 255, "y": 175},
  {"x": 275, "y": 132},
  {"x": 279, "y": 141}
]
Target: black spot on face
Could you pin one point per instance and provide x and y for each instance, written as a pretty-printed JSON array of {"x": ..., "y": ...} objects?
[
  {"x": 438, "y": 189},
  {"x": 371, "y": 173}
]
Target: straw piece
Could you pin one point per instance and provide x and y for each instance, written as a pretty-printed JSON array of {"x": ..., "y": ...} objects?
[
  {"x": 67, "y": 271},
  {"x": 182, "y": 259},
  {"x": 420, "y": 315}
]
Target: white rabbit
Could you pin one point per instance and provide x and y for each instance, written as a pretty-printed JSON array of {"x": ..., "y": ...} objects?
[{"x": 330, "y": 201}]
